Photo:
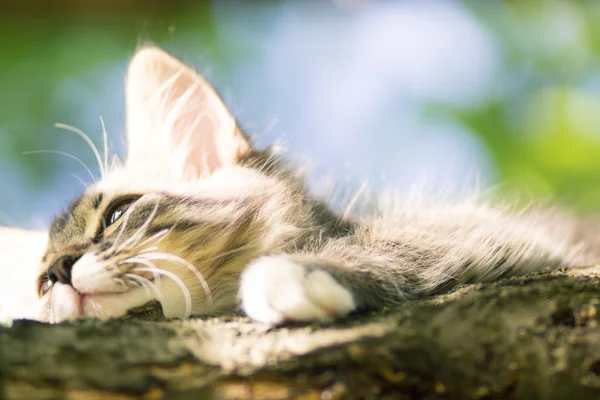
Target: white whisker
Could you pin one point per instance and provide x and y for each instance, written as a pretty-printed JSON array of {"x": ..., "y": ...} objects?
[
  {"x": 157, "y": 238},
  {"x": 150, "y": 267},
  {"x": 115, "y": 162},
  {"x": 139, "y": 282},
  {"x": 120, "y": 282},
  {"x": 350, "y": 205},
  {"x": 111, "y": 249},
  {"x": 80, "y": 180},
  {"x": 148, "y": 250},
  {"x": 105, "y": 140},
  {"x": 171, "y": 257},
  {"x": 62, "y": 153},
  {"x": 139, "y": 233},
  {"x": 88, "y": 141},
  {"x": 147, "y": 284}
]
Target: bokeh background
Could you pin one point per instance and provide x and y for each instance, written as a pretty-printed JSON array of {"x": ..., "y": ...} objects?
[{"x": 447, "y": 94}]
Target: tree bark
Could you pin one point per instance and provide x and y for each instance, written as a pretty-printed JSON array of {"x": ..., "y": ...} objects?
[{"x": 532, "y": 337}]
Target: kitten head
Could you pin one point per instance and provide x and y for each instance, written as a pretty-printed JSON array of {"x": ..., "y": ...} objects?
[{"x": 190, "y": 207}]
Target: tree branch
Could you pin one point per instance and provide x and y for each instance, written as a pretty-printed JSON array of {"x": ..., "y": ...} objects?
[{"x": 528, "y": 337}]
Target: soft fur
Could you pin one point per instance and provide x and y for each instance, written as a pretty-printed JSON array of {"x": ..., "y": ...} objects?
[{"x": 213, "y": 224}]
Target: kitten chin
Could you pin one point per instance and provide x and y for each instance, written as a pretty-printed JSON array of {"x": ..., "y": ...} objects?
[{"x": 67, "y": 303}]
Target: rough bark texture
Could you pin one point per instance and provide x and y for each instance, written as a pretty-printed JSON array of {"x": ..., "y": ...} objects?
[{"x": 534, "y": 337}]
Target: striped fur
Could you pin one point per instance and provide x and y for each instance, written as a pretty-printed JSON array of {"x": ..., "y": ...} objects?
[{"x": 213, "y": 221}]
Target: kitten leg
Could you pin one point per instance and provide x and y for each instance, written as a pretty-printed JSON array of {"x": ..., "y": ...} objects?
[
  {"x": 364, "y": 273},
  {"x": 322, "y": 286},
  {"x": 282, "y": 288}
]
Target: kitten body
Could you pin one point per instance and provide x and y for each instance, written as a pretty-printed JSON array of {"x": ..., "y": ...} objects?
[{"x": 203, "y": 223}]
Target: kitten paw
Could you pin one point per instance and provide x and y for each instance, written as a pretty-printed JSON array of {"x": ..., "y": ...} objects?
[{"x": 276, "y": 289}]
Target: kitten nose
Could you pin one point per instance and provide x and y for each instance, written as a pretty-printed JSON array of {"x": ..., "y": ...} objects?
[{"x": 60, "y": 271}]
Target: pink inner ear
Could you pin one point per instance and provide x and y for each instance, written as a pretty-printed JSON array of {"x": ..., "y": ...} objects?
[
  {"x": 197, "y": 134},
  {"x": 210, "y": 138},
  {"x": 178, "y": 127}
]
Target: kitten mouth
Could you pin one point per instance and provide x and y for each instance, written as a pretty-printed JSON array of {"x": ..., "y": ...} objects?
[
  {"x": 81, "y": 300},
  {"x": 80, "y": 304},
  {"x": 86, "y": 304}
]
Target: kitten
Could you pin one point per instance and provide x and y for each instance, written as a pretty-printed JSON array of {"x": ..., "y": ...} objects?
[{"x": 202, "y": 222}]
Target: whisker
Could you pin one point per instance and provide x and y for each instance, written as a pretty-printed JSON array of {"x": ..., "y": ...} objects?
[
  {"x": 147, "y": 283},
  {"x": 149, "y": 249},
  {"x": 80, "y": 180},
  {"x": 62, "y": 153},
  {"x": 139, "y": 233},
  {"x": 157, "y": 237},
  {"x": 115, "y": 162},
  {"x": 141, "y": 283},
  {"x": 171, "y": 257},
  {"x": 136, "y": 283},
  {"x": 88, "y": 141},
  {"x": 150, "y": 267},
  {"x": 111, "y": 250},
  {"x": 105, "y": 140},
  {"x": 184, "y": 290},
  {"x": 120, "y": 282},
  {"x": 157, "y": 280},
  {"x": 350, "y": 205}
]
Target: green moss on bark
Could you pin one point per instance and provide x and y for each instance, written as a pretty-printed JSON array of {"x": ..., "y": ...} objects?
[{"x": 533, "y": 337}]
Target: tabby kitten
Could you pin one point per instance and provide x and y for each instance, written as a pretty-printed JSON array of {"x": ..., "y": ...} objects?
[{"x": 200, "y": 221}]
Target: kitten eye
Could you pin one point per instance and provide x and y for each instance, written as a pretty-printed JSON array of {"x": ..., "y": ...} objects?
[
  {"x": 44, "y": 285},
  {"x": 116, "y": 211}
]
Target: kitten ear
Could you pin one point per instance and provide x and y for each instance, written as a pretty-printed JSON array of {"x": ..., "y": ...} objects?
[{"x": 177, "y": 126}]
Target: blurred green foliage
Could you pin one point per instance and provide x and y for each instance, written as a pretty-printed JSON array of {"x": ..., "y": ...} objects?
[
  {"x": 44, "y": 43},
  {"x": 541, "y": 126}
]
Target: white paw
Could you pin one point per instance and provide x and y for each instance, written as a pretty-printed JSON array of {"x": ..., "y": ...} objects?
[{"x": 276, "y": 289}]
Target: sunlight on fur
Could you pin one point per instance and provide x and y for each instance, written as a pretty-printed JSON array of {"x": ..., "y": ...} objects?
[{"x": 199, "y": 220}]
